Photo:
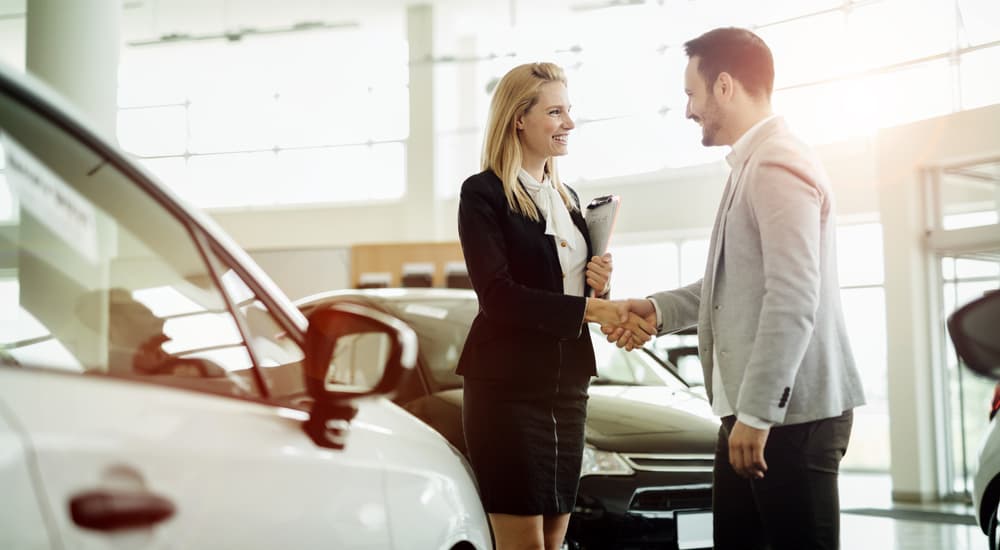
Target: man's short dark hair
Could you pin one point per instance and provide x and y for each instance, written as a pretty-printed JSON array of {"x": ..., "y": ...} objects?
[{"x": 738, "y": 52}]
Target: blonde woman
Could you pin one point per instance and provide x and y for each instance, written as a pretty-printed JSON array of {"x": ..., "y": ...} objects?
[{"x": 528, "y": 358}]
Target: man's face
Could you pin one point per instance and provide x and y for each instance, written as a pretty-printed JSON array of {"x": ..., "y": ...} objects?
[{"x": 702, "y": 106}]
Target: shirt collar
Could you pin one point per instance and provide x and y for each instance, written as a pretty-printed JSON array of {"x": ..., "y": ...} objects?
[
  {"x": 530, "y": 182},
  {"x": 740, "y": 148}
]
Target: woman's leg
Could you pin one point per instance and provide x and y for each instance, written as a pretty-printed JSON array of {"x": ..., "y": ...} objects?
[
  {"x": 517, "y": 532},
  {"x": 554, "y": 529}
]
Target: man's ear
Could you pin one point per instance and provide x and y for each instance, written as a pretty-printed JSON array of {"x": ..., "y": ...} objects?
[{"x": 724, "y": 86}]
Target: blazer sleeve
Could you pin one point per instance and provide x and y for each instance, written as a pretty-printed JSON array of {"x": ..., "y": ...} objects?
[
  {"x": 787, "y": 206},
  {"x": 679, "y": 308},
  {"x": 501, "y": 298}
]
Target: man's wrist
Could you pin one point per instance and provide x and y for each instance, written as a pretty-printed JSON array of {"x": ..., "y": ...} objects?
[
  {"x": 754, "y": 421},
  {"x": 659, "y": 316}
]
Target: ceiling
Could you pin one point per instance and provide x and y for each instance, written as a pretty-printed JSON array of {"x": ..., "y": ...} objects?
[{"x": 144, "y": 19}]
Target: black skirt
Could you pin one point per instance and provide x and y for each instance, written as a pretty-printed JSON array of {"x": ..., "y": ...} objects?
[{"x": 525, "y": 443}]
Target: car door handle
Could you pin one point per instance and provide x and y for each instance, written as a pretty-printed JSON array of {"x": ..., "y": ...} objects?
[{"x": 103, "y": 510}]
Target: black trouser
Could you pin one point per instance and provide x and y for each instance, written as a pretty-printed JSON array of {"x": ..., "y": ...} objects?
[{"x": 796, "y": 505}]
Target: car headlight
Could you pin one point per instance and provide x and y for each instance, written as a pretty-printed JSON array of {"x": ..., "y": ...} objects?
[{"x": 603, "y": 463}]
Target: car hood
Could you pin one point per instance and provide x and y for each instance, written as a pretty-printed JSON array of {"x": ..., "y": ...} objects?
[{"x": 641, "y": 419}]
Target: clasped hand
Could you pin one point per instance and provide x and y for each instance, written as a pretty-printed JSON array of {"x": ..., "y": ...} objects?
[
  {"x": 615, "y": 317},
  {"x": 633, "y": 329},
  {"x": 623, "y": 336}
]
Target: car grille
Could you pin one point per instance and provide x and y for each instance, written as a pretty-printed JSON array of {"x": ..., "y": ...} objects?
[
  {"x": 670, "y": 462},
  {"x": 652, "y": 501}
]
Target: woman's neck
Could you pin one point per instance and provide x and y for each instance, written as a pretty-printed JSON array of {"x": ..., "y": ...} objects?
[{"x": 535, "y": 167}]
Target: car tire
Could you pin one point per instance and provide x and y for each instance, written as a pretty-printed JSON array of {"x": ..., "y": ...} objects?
[{"x": 991, "y": 531}]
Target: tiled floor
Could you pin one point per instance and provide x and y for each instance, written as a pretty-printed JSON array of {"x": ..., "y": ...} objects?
[{"x": 867, "y": 532}]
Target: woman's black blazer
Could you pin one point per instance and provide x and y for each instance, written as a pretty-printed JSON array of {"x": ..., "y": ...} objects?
[{"x": 526, "y": 329}]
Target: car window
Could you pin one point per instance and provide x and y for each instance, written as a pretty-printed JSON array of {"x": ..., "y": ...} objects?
[
  {"x": 680, "y": 349},
  {"x": 97, "y": 277},
  {"x": 442, "y": 325},
  {"x": 278, "y": 357},
  {"x": 615, "y": 366}
]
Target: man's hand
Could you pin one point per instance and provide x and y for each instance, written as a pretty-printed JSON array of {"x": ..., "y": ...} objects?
[
  {"x": 746, "y": 450},
  {"x": 599, "y": 274},
  {"x": 615, "y": 315},
  {"x": 637, "y": 330},
  {"x": 621, "y": 337}
]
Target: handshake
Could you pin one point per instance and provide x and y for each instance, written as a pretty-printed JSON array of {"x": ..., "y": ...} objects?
[{"x": 629, "y": 323}]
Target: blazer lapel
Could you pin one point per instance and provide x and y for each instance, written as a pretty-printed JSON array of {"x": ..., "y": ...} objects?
[
  {"x": 728, "y": 196},
  {"x": 716, "y": 241}
]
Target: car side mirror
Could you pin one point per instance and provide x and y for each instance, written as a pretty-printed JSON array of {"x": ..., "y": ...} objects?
[
  {"x": 352, "y": 352},
  {"x": 975, "y": 331}
]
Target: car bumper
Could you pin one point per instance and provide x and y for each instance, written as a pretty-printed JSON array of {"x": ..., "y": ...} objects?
[{"x": 638, "y": 511}]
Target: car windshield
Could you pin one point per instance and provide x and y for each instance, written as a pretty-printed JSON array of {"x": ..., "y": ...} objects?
[
  {"x": 99, "y": 277},
  {"x": 442, "y": 324}
]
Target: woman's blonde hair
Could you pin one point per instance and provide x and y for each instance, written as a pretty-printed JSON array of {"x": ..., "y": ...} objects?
[{"x": 517, "y": 92}]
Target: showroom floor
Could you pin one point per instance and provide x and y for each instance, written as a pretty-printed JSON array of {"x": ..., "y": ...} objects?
[{"x": 871, "y": 521}]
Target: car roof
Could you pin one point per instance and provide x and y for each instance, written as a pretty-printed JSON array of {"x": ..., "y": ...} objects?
[{"x": 391, "y": 294}]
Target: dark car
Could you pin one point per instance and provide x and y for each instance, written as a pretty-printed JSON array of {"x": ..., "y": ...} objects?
[{"x": 647, "y": 465}]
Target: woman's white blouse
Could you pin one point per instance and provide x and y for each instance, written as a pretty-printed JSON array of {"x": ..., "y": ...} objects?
[{"x": 570, "y": 244}]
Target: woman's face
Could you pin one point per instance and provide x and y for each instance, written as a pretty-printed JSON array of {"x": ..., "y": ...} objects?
[{"x": 544, "y": 129}]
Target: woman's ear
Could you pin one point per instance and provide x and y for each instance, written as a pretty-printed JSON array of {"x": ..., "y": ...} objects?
[{"x": 519, "y": 122}]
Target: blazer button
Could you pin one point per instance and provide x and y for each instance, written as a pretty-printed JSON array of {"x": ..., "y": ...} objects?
[
  {"x": 564, "y": 275},
  {"x": 563, "y": 244},
  {"x": 718, "y": 307}
]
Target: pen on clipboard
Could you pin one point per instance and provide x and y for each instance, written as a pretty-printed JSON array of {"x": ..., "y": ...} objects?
[{"x": 600, "y": 201}]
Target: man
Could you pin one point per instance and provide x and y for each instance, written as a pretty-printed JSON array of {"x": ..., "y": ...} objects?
[{"x": 777, "y": 362}]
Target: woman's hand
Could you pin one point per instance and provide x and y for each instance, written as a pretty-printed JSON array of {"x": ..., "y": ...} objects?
[
  {"x": 599, "y": 274},
  {"x": 635, "y": 329}
]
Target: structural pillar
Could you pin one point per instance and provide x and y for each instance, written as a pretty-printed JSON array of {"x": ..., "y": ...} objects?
[
  {"x": 422, "y": 205},
  {"x": 74, "y": 47}
]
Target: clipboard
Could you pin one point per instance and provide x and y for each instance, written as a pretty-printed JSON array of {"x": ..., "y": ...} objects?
[{"x": 600, "y": 217}]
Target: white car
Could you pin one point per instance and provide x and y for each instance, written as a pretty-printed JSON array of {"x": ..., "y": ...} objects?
[
  {"x": 158, "y": 391},
  {"x": 973, "y": 330},
  {"x": 986, "y": 482}
]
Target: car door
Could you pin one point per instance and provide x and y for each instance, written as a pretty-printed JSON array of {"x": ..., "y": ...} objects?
[
  {"x": 154, "y": 393},
  {"x": 134, "y": 465},
  {"x": 22, "y": 524}
]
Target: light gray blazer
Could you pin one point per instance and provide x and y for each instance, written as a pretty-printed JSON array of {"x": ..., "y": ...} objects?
[{"x": 769, "y": 302}]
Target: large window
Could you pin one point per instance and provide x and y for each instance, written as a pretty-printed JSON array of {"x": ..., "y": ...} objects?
[
  {"x": 968, "y": 395},
  {"x": 964, "y": 238},
  {"x": 264, "y": 121},
  {"x": 862, "y": 292},
  {"x": 836, "y": 75}
]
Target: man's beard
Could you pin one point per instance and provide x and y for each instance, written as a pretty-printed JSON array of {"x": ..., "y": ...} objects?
[
  {"x": 710, "y": 124},
  {"x": 708, "y": 133}
]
